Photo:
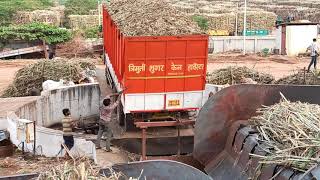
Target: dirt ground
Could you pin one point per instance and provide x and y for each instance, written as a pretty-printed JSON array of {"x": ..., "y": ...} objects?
[
  {"x": 17, "y": 164},
  {"x": 8, "y": 70},
  {"x": 278, "y": 66}
]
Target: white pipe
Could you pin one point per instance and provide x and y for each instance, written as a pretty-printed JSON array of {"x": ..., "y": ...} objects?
[{"x": 244, "y": 27}]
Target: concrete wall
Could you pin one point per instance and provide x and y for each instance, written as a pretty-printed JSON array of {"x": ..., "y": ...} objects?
[
  {"x": 254, "y": 44},
  {"x": 82, "y": 100},
  {"x": 48, "y": 142},
  {"x": 32, "y": 111},
  {"x": 46, "y": 110},
  {"x": 278, "y": 38},
  {"x": 299, "y": 37}
]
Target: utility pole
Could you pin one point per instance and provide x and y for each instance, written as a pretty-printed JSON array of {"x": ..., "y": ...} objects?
[{"x": 244, "y": 27}]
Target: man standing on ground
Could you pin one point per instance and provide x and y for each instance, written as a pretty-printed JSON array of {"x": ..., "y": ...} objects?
[
  {"x": 314, "y": 54},
  {"x": 105, "y": 119}
]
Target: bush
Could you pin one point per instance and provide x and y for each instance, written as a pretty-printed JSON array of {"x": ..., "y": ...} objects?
[
  {"x": 202, "y": 22},
  {"x": 9, "y": 7},
  {"x": 94, "y": 32},
  {"x": 34, "y": 31}
]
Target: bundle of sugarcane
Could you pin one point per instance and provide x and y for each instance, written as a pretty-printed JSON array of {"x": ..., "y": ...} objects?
[
  {"x": 258, "y": 20},
  {"x": 225, "y": 21},
  {"x": 234, "y": 75},
  {"x": 300, "y": 78},
  {"x": 44, "y": 16},
  {"x": 32, "y": 76},
  {"x": 83, "y": 21},
  {"x": 81, "y": 168},
  {"x": 84, "y": 64},
  {"x": 151, "y": 18},
  {"x": 291, "y": 131},
  {"x": 186, "y": 9}
]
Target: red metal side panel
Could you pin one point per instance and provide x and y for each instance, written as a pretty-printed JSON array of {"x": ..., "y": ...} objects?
[
  {"x": 165, "y": 63},
  {"x": 116, "y": 57},
  {"x": 135, "y": 71},
  {"x": 104, "y": 29},
  {"x": 113, "y": 44},
  {"x": 176, "y": 63},
  {"x": 196, "y": 60},
  {"x": 155, "y": 56}
]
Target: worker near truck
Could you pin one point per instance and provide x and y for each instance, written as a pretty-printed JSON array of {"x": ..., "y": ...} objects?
[
  {"x": 314, "y": 49},
  {"x": 67, "y": 126},
  {"x": 105, "y": 118}
]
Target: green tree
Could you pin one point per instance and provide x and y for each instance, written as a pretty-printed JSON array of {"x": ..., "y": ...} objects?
[
  {"x": 35, "y": 31},
  {"x": 202, "y": 21},
  {"x": 94, "y": 32}
]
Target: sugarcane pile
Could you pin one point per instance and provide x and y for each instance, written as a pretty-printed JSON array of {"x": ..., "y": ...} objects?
[
  {"x": 300, "y": 10},
  {"x": 151, "y": 18},
  {"x": 234, "y": 75},
  {"x": 261, "y": 14},
  {"x": 221, "y": 15},
  {"x": 292, "y": 131},
  {"x": 83, "y": 21},
  {"x": 32, "y": 76},
  {"x": 52, "y": 17},
  {"x": 300, "y": 78},
  {"x": 81, "y": 168},
  {"x": 226, "y": 20}
]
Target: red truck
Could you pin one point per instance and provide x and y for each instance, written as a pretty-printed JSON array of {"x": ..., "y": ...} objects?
[
  {"x": 163, "y": 76},
  {"x": 159, "y": 73}
]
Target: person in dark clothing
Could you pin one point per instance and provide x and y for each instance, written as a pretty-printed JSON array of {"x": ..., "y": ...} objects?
[
  {"x": 314, "y": 54},
  {"x": 52, "y": 51}
]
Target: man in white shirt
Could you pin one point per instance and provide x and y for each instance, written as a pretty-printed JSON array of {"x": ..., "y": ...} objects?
[{"x": 314, "y": 54}]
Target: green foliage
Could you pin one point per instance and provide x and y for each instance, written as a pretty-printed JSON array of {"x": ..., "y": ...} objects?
[
  {"x": 202, "y": 22},
  {"x": 9, "y": 7},
  {"x": 80, "y": 7},
  {"x": 62, "y": 2},
  {"x": 34, "y": 31},
  {"x": 265, "y": 52},
  {"x": 94, "y": 32}
]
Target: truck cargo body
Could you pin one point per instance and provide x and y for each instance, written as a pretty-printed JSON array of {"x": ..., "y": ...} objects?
[{"x": 160, "y": 73}]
